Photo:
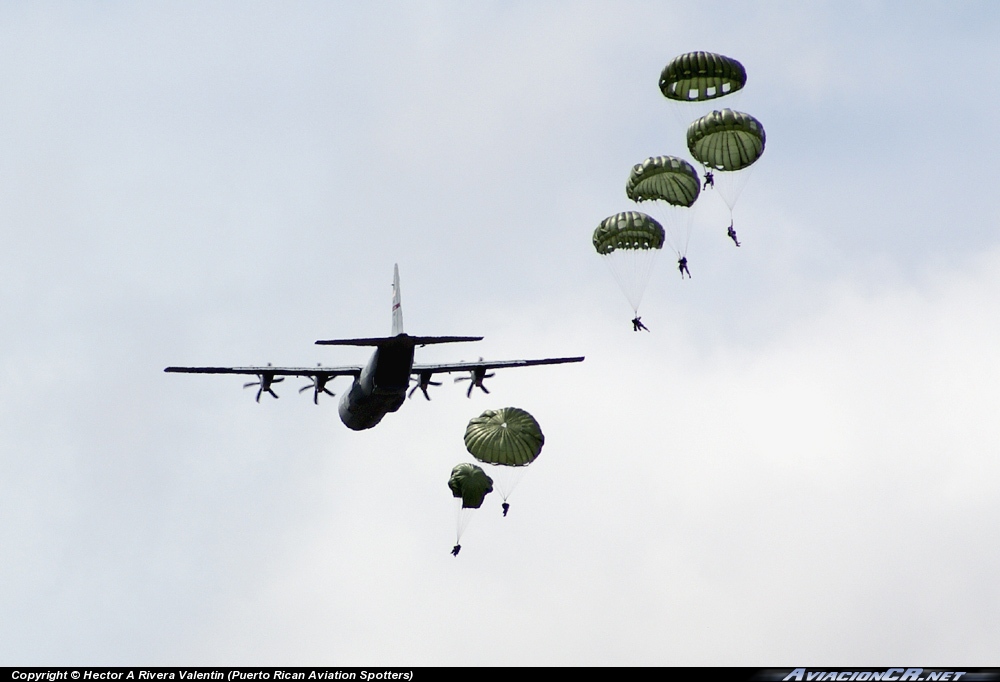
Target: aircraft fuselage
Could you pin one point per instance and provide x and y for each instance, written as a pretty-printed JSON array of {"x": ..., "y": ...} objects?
[{"x": 381, "y": 386}]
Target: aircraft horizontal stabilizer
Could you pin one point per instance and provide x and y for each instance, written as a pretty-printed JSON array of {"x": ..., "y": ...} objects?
[{"x": 398, "y": 340}]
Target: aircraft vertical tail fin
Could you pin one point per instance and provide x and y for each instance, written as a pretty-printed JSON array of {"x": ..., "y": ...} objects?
[
  {"x": 397, "y": 310},
  {"x": 398, "y": 338}
]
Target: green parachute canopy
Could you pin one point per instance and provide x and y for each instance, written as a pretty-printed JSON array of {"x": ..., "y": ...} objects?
[
  {"x": 664, "y": 178},
  {"x": 630, "y": 230},
  {"x": 701, "y": 76},
  {"x": 508, "y": 437},
  {"x": 629, "y": 243},
  {"x": 726, "y": 140},
  {"x": 470, "y": 483}
]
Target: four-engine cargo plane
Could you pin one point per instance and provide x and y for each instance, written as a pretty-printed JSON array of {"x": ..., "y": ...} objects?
[{"x": 380, "y": 386}]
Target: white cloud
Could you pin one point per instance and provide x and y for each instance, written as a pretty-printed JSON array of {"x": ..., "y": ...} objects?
[{"x": 830, "y": 494}]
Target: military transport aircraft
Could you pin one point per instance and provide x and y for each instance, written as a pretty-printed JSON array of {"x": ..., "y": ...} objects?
[{"x": 380, "y": 386}]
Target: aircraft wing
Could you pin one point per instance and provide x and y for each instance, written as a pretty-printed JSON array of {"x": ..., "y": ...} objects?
[
  {"x": 269, "y": 375},
  {"x": 318, "y": 371},
  {"x": 485, "y": 365}
]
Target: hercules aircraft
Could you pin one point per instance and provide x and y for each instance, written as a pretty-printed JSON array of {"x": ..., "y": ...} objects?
[{"x": 380, "y": 386}]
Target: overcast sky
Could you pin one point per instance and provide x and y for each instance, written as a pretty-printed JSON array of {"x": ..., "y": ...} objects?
[{"x": 799, "y": 464}]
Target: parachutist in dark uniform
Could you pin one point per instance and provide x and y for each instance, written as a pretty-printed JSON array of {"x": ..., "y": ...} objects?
[
  {"x": 506, "y": 507},
  {"x": 682, "y": 265},
  {"x": 637, "y": 324},
  {"x": 709, "y": 180},
  {"x": 456, "y": 549},
  {"x": 732, "y": 234}
]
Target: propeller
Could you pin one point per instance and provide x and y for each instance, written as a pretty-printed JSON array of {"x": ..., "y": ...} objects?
[
  {"x": 423, "y": 383},
  {"x": 475, "y": 378},
  {"x": 318, "y": 385},
  {"x": 265, "y": 381}
]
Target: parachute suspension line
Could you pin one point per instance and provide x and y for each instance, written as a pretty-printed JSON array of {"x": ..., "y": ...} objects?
[
  {"x": 677, "y": 222},
  {"x": 685, "y": 220},
  {"x": 732, "y": 183},
  {"x": 685, "y": 112},
  {"x": 718, "y": 181},
  {"x": 463, "y": 517},
  {"x": 507, "y": 478},
  {"x": 621, "y": 280},
  {"x": 643, "y": 268},
  {"x": 632, "y": 270}
]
